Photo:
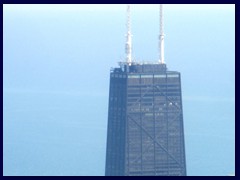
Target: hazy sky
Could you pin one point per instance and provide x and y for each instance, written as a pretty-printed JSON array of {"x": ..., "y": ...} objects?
[{"x": 56, "y": 65}]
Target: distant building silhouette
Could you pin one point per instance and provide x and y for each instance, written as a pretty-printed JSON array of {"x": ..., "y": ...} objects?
[{"x": 145, "y": 120}]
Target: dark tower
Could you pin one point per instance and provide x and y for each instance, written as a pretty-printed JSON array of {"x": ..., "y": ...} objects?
[{"x": 145, "y": 120}]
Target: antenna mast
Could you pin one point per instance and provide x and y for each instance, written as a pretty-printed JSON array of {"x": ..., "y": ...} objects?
[
  {"x": 129, "y": 38},
  {"x": 161, "y": 37}
]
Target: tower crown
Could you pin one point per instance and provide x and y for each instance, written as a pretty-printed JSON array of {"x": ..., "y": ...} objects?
[
  {"x": 128, "y": 45},
  {"x": 161, "y": 37}
]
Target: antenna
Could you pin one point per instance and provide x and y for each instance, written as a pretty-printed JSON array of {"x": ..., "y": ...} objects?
[
  {"x": 161, "y": 37},
  {"x": 129, "y": 38}
]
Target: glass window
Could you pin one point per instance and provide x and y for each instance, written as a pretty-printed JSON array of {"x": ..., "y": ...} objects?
[
  {"x": 160, "y": 75},
  {"x": 133, "y": 76},
  {"x": 146, "y": 76}
]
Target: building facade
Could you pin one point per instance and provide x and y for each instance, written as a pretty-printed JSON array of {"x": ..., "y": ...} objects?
[{"x": 145, "y": 122}]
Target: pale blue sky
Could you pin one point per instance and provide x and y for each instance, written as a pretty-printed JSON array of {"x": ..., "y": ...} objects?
[{"x": 57, "y": 60}]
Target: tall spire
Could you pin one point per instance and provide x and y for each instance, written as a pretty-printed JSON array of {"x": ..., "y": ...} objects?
[
  {"x": 128, "y": 47},
  {"x": 161, "y": 37}
]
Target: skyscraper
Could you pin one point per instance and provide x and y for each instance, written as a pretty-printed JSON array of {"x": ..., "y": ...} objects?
[{"x": 145, "y": 117}]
